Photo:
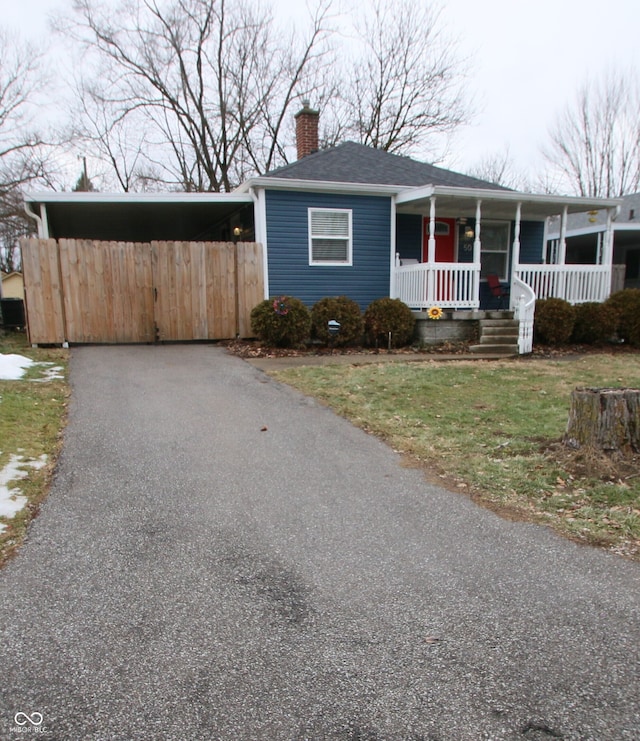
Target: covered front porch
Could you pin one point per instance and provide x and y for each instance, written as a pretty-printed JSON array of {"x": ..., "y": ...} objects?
[{"x": 467, "y": 235}]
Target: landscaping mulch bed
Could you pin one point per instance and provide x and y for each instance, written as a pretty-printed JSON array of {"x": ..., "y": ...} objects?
[{"x": 256, "y": 349}]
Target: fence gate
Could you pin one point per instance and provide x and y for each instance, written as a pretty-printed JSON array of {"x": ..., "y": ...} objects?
[{"x": 116, "y": 292}]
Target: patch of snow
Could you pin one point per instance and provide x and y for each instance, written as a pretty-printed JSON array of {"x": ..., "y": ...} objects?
[
  {"x": 50, "y": 374},
  {"x": 11, "y": 502},
  {"x": 13, "y": 367}
]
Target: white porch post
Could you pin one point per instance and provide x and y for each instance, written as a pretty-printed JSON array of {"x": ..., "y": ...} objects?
[
  {"x": 607, "y": 249},
  {"x": 515, "y": 252},
  {"x": 562, "y": 251},
  {"x": 515, "y": 257},
  {"x": 561, "y": 288},
  {"x": 431, "y": 252},
  {"x": 477, "y": 250},
  {"x": 607, "y": 252}
]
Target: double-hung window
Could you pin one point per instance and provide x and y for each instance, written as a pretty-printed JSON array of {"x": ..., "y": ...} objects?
[
  {"x": 330, "y": 236},
  {"x": 494, "y": 237}
]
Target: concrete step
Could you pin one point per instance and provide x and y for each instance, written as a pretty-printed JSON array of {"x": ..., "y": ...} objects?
[
  {"x": 507, "y": 329},
  {"x": 500, "y": 339},
  {"x": 499, "y": 323},
  {"x": 507, "y": 350}
]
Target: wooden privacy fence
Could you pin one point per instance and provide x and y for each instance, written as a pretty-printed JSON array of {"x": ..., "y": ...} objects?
[{"x": 116, "y": 292}]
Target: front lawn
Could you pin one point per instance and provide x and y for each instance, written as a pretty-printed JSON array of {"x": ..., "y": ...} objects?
[
  {"x": 493, "y": 430},
  {"x": 32, "y": 414}
]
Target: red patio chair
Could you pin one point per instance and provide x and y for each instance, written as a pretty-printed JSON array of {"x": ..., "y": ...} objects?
[{"x": 497, "y": 289}]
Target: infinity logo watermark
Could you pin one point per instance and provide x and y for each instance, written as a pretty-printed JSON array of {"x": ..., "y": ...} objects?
[
  {"x": 25, "y": 723},
  {"x": 21, "y": 719}
]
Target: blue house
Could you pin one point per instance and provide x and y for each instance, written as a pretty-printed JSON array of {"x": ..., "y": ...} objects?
[{"x": 360, "y": 222}]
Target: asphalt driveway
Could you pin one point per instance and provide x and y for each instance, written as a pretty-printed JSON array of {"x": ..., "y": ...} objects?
[{"x": 223, "y": 558}]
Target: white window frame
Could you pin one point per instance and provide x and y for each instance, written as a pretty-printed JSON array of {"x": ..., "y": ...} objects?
[
  {"x": 506, "y": 225},
  {"x": 348, "y": 239}
]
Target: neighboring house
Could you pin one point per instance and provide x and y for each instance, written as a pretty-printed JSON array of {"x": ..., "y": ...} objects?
[
  {"x": 12, "y": 285},
  {"x": 356, "y": 221},
  {"x": 585, "y": 239}
]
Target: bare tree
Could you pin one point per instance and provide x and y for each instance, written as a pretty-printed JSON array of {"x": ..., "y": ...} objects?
[
  {"x": 405, "y": 80},
  {"x": 594, "y": 147},
  {"x": 210, "y": 83},
  {"x": 23, "y": 155},
  {"x": 500, "y": 169}
]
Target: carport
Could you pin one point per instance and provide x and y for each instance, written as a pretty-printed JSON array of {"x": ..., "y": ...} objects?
[{"x": 141, "y": 267}]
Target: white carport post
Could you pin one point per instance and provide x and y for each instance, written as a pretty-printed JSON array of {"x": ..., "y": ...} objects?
[{"x": 431, "y": 252}]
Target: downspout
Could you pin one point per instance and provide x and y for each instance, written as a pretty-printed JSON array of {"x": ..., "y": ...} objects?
[{"x": 43, "y": 230}]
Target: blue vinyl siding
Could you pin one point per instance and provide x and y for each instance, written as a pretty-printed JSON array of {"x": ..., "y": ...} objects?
[
  {"x": 288, "y": 248},
  {"x": 531, "y": 242},
  {"x": 409, "y": 236}
]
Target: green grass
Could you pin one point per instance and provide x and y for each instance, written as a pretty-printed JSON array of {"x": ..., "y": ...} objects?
[
  {"x": 493, "y": 429},
  {"x": 32, "y": 415}
]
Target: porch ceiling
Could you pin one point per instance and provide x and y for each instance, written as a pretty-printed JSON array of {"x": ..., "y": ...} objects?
[{"x": 502, "y": 205}]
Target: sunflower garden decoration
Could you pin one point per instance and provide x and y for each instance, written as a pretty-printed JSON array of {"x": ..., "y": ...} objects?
[{"x": 435, "y": 313}]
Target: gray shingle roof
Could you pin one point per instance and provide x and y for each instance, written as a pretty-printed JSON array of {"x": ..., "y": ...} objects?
[{"x": 356, "y": 163}]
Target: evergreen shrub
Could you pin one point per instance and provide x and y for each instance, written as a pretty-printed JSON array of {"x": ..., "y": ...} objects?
[
  {"x": 553, "y": 321},
  {"x": 595, "y": 323},
  {"x": 343, "y": 310},
  {"x": 384, "y": 315},
  {"x": 627, "y": 304},
  {"x": 282, "y": 321}
]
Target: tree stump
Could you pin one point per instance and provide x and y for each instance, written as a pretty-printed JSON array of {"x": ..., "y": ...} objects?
[{"x": 606, "y": 419}]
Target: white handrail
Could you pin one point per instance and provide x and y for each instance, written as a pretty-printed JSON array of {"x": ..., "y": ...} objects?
[{"x": 523, "y": 303}]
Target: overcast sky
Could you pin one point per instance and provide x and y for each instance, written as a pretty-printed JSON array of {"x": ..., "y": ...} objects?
[{"x": 529, "y": 59}]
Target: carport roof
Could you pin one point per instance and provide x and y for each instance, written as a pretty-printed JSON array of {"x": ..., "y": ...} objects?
[{"x": 135, "y": 216}]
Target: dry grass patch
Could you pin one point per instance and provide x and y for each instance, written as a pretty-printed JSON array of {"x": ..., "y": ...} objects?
[
  {"x": 32, "y": 414},
  {"x": 493, "y": 429}
]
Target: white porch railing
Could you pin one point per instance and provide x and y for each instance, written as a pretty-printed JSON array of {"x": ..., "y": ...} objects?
[
  {"x": 523, "y": 303},
  {"x": 576, "y": 284},
  {"x": 449, "y": 285}
]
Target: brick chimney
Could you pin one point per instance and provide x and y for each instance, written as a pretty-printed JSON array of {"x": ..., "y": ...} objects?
[{"x": 306, "y": 130}]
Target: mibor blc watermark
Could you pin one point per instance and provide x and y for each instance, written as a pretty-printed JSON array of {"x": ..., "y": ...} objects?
[{"x": 28, "y": 723}]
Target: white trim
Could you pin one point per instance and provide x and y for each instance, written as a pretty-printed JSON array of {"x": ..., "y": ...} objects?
[
  {"x": 487, "y": 223},
  {"x": 348, "y": 239},
  {"x": 393, "y": 257},
  {"x": 318, "y": 186},
  {"x": 260, "y": 226},
  {"x": 407, "y": 195},
  {"x": 575, "y": 204},
  {"x": 138, "y": 197}
]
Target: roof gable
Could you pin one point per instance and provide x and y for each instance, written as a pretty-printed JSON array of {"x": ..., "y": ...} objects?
[{"x": 357, "y": 163}]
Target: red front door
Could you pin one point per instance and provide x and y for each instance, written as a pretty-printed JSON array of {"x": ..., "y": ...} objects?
[{"x": 445, "y": 240}]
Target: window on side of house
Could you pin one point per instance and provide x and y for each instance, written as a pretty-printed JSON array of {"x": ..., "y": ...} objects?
[
  {"x": 494, "y": 238},
  {"x": 330, "y": 236}
]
